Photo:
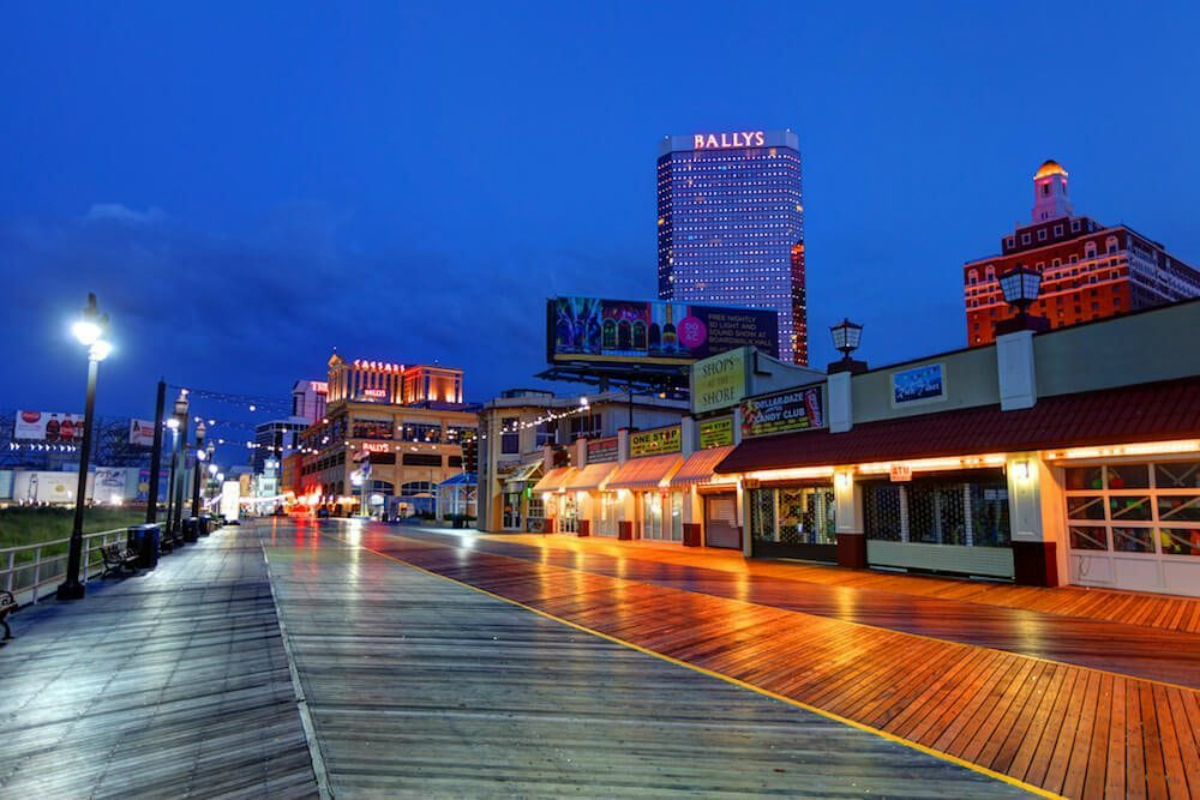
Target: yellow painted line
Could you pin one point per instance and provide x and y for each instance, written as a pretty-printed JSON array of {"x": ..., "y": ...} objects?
[{"x": 719, "y": 676}]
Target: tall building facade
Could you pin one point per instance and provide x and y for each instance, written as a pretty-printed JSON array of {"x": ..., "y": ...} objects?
[
  {"x": 1089, "y": 270},
  {"x": 731, "y": 226}
]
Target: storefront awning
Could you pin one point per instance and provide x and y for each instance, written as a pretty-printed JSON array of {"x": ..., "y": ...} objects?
[
  {"x": 521, "y": 476},
  {"x": 553, "y": 480},
  {"x": 698, "y": 468},
  {"x": 641, "y": 474},
  {"x": 1146, "y": 412},
  {"x": 589, "y": 478}
]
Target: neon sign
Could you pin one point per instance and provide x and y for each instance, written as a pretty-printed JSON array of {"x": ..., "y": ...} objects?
[
  {"x": 374, "y": 392},
  {"x": 718, "y": 141},
  {"x": 376, "y": 447}
]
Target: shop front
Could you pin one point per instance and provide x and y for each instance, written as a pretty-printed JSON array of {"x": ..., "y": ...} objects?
[
  {"x": 692, "y": 485},
  {"x": 796, "y": 519},
  {"x": 518, "y": 497},
  {"x": 581, "y": 498},
  {"x": 652, "y": 512},
  {"x": 558, "y": 512}
]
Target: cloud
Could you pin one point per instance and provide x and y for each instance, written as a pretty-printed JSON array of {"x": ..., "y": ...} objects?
[{"x": 115, "y": 212}]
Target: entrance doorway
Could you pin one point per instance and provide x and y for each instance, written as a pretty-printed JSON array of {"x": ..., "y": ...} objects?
[{"x": 720, "y": 521}]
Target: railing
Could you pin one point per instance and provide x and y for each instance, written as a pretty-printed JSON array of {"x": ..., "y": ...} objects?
[{"x": 29, "y": 568}]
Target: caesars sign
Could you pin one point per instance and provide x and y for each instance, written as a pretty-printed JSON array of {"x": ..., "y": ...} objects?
[
  {"x": 652, "y": 331},
  {"x": 656, "y": 442},
  {"x": 47, "y": 426},
  {"x": 793, "y": 410},
  {"x": 720, "y": 381}
]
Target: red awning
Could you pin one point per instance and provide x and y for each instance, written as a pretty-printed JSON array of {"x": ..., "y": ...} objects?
[
  {"x": 641, "y": 474},
  {"x": 553, "y": 480},
  {"x": 590, "y": 477},
  {"x": 1147, "y": 412},
  {"x": 698, "y": 468}
]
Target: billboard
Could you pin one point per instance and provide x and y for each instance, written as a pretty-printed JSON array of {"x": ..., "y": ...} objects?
[
  {"x": 659, "y": 441},
  {"x": 141, "y": 432},
  {"x": 793, "y": 410},
  {"x": 49, "y": 426},
  {"x": 652, "y": 331},
  {"x": 919, "y": 385},
  {"x": 109, "y": 485}
]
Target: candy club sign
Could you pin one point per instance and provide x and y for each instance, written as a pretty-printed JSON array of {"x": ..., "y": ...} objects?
[{"x": 719, "y": 141}]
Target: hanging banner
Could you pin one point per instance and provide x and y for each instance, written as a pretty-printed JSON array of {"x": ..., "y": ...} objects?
[
  {"x": 48, "y": 426},
  {"x": 655, "y": 442},
  {"x": 141, "y": 432},
  {"x": 794, "y": 410},
  {"x": 716, "y": 433}
]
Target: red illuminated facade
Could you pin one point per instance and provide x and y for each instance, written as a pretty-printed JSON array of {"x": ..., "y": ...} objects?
[{"x": 1089, "y": 270}]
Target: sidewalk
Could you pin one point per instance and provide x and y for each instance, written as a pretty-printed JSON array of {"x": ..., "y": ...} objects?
[{"x": 170, "y": 684}]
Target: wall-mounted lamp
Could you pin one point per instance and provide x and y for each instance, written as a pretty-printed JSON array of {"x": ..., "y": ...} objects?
[
  {"x": 843, "y": 480},
  {"x": 1021, "y": 470}
]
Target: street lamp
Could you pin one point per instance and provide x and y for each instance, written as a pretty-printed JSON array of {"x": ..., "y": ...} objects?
[
  {"x": 88, "y": 331},
  {"x": 200, "y": 456},
  {"x": 1021, "y": 287},
  {"x": 846, "y": 337},
  {"x": 179, "y": 444}
]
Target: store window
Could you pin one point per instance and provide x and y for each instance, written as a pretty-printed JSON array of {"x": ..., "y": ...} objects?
[
  {"x": 968, "y": 511},
  {"x": 1153, "y": 509},
  {"x": 510, "y": 436},
  {"x": 420, "y": 432},
  {"x": 793, "y": 515},
  {"x": 372, "y": 429}
]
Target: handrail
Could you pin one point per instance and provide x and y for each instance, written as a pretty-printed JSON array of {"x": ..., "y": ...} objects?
[{"x": 25, "y": 578}]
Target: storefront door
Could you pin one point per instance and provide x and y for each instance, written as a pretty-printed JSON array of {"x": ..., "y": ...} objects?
[
  {"x": 652, "y": 522},
  {"x": 608, "y": 515},
  {"x": 720, "y": 521},
  {"x": 794, "y": 522},
  {"x": 568, "y": 520},
  {"x": 512, "y": 511},
  {"x": 1135, "y": 526}
]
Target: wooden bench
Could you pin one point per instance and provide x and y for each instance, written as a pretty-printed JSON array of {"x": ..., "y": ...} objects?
[
  {"x": 117, "y": 559},
  {"x": 8, "y": 604}
]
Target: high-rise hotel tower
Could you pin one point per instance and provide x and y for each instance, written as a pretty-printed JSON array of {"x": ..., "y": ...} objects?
[{"x": 731, "y": 226}]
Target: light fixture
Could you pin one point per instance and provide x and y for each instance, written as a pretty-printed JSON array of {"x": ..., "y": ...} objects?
[
  {"x": 846, "y": 336},
  {"x": 1021, "y": 470},
  {"x": 1021, "y": 286},
  {"x": 212, "y": 469}
]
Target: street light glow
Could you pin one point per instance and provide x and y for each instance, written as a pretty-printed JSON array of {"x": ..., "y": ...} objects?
[
  {"x": 100, "y": 350},
  {"x": 87, "y": 332}
]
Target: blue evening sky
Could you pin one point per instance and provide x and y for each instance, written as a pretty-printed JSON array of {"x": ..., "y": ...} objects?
[{"x": 248, "y": 185}]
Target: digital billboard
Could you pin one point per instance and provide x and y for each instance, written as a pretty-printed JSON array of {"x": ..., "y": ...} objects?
[{"x": 652, "y": 331}]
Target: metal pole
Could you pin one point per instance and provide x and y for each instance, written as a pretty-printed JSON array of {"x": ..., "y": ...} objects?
[
  {"x": 196, "y": 470},
  {"x": 71, "y": 588},
  {"x": 180, "y": 472},
  {"x": 171, "y": 480},
  {"x": 156, "y": 457}
]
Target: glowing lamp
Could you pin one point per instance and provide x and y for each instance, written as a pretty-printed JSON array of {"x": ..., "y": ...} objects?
[
  {"x": 846, "y": 336},
  {"x": 1021, "y": 286}
]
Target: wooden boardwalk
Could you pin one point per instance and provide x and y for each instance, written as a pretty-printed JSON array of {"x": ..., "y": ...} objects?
[
  {"x": 419, "y": 687},
  {"x": 1135, "y": 650},
  {"x": 1068, "y": 729},
  {"x": 172, "y": 684},
  {"x": 1167, "y": 612}
]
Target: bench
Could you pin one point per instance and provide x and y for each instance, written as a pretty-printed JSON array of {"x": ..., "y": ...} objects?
[
  {"x": 117, "y": 558},
  {"x": 8, "y": 604}
]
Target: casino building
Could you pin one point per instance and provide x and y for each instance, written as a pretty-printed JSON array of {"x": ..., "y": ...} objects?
[
  {"x": 731, "y": 226},
  {"x": 1089, "y": 270},
  {"x": 408, "y": 422}
]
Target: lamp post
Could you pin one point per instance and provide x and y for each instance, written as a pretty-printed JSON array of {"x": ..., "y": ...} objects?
[
  {"x": 179, "y": 465},
  {"x": 201, "y": 454},
  {"x": 1021, "y": 287},
  {"x": 89, "y": 330},
  {"x": 846, "y": 337}
]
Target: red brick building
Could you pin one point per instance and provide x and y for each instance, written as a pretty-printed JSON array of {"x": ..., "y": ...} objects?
[{"x": 1089, "y": 270}]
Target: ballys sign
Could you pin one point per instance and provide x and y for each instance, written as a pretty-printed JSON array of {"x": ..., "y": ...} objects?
[{"x": 718, "y": 141}]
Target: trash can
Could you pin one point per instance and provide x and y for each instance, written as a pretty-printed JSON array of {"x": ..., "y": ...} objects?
[
  {"x": 191, "y": 530},
  {"x": 205, "y": 521},
  {"x": 144, "y": 539}
]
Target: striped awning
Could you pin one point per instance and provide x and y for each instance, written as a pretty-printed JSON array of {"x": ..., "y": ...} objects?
[
  {"x": 553, "y": 480},
  {"x": 642, "y": 474},
  {"x": 698, "y": 469},
  {"x": 589, "y": 478}
]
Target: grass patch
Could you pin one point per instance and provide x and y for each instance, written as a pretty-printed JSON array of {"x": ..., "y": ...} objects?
[{"x": 23, "y": 526}]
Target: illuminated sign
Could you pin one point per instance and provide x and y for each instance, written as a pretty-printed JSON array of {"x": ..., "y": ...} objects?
[
  {"x": 375, "y": 393},
  {"x": 716, "y": 433},
  {"x": 376, "y": 447},
  {"x": 655, "y": 442},
  {"x": 719, "y": 381},
  {"x": 320, "y": 387},
  {"x": 720, "y": 141},
  {"x": 601, "y": 450},
  {"x": 793, "y": 410},
  {"x": 900, "y": 473},
  {"x": 594, "y": 329},
  {"x": 378, "y": 366}
]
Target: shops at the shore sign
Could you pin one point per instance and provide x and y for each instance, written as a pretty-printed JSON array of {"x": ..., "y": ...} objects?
[
  {"x": 656, "y": 442},
  {"x": 720, "y": 381},
  {"x": 783, "y": 412},
  {"x": 716, "y": 433}
]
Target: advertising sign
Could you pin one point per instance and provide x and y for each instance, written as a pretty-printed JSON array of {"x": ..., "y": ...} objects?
[
  {"x": 141, "y": 432},
  {"x": 47, "y": 487},
  {"x": 900, "y": 473},
  {"x": 231, "y": 495},
  {"x": 652, "y": 331},
  {"x": 602, "y": 450},
  {"x": 720, "y": 381},
  {"x": 48, "y": 426},
  {"x": 655, "y": 442},
  {"x": 109, "y": 485},
  {"x": 716, "y": 433},
  {"x": 793, "y": 410},
  {"x": 919, "y": 385}
]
